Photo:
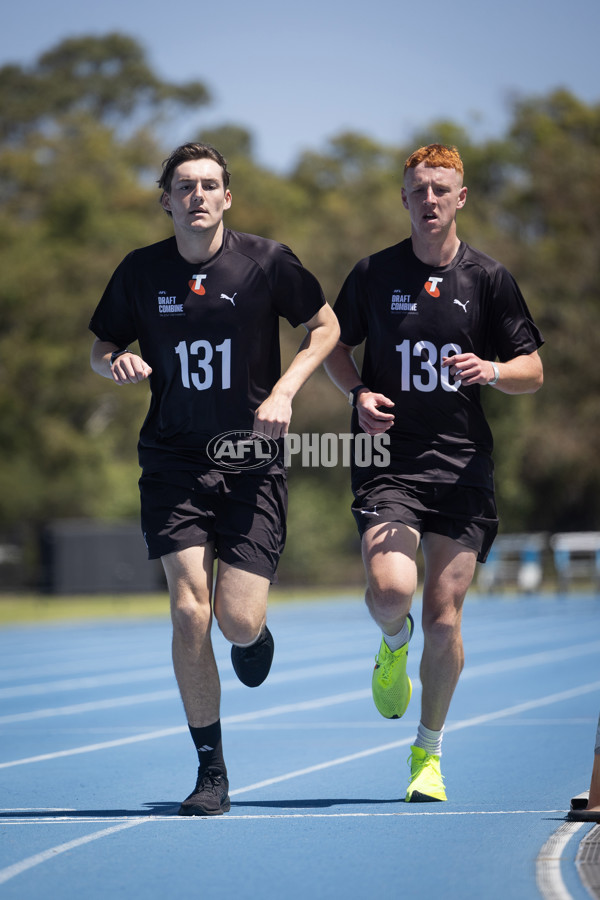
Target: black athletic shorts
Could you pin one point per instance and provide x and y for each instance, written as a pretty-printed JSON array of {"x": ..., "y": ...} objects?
[
  {"x": 466, "y": 514},
  {"x": 244, "y": 514}
]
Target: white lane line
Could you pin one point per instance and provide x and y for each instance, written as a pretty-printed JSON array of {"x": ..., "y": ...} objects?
[
  {"x": 527, "y": 705},
  {"x": 31, "y": 861},
  {"x": 409, "y": 811},
  {"x": 134, "y": 699},
  {"x": 85, "y": 683},
  {"x": 311, "y": 704},
  {"x": 230, "y": 684},
  {"x": 78, "y": 708},
  {"x": 166, "y": 672},
  {"x": 453, "y": 726},
  {"x": 90, "y": 748},
  {"x": 547, "y": 867},
  {"x": 183, "y": 729},
  {"x": 302, "y": 706},
  {"x": 561, "y": 654}
]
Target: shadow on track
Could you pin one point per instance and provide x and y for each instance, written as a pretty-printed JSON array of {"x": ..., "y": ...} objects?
[
  {"x": 150, "y": 809},
  {"x": 311, "y": 804}
]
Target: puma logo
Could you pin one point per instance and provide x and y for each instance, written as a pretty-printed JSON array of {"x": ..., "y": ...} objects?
[
  {"x": 231, "y": 299},
  {"x": 464, "y": 305}
]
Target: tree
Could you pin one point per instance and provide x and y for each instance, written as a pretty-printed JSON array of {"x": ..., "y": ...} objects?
[
  {"x": 105, "y": 78},
  {"x": 80, "y": 151},
  {"x": 552, "y": 216},
  {"x": 73, "y": 180}
]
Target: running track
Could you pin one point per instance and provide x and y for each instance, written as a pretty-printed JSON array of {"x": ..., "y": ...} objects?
[{"x": 95, "y": 757}]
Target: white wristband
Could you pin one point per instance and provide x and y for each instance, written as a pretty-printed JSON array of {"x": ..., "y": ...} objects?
[{"x": 496, "y": 374}]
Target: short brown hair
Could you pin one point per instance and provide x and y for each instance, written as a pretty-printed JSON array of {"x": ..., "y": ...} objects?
[
  {"x": 184, "y": 154},
  {"x": 434, "y": 156}
]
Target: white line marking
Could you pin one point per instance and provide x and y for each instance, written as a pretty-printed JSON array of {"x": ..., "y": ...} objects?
[
  {"x": 90, "y": 748},
  {"x": 547, "y": 867},
  {"x": 359, "y": 815},
  {"x": 310, "y": 704},
  {"x": 166, "y": 672},
  {"x": 77, "y": 708},
  {"x": 183, "y": 729},
  {"x": 360, "y": 664},
  {"x": 529, "y": 704},
  {"x": 560, "y": 654},
  {"x": 233, "y": 684},
  {"x": 303, "y": 706},
  {"x": 76, "y": 684},
  {"x": 32, "y": 861},
  {"x": 453, "y": 726},
  {"x": 409, "y": 811}
]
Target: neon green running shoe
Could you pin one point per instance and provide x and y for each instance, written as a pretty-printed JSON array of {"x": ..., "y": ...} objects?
[
  {"x": 426, "y": 781},
  {"x": 391, "y": 686}
]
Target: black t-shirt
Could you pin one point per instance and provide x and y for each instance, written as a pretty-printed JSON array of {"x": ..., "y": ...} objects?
[
  {"x": 411, "y": 315},
  {"x": 210, "y": 332}
]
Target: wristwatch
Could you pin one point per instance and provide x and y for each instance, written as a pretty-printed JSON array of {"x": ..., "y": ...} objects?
[
  {"x": 116, "y": 353},
  {"x": 353, "y": 394},
  {"x": 496, "y": 374}
]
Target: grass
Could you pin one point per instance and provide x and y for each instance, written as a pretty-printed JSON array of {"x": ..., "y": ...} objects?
[
  {"x": 34, "y": 608},
  {"x": 19, "y": 609}
]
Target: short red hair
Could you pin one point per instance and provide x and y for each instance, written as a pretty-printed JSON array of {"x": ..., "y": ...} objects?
[{"x": 434, "y": 156}]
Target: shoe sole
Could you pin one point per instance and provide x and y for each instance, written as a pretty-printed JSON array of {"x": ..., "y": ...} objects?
[
  {"x": 418, "y": 797},
  {"x": 200, "y": 811}
]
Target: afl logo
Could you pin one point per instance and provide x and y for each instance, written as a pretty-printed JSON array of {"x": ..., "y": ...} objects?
[{"x": 242, "y": 450}]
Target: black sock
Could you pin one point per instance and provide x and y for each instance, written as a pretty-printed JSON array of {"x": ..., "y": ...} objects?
[{"x": 207, "y": 742}]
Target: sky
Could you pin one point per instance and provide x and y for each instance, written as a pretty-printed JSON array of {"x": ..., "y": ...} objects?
[{"x": 297, "y": 74}]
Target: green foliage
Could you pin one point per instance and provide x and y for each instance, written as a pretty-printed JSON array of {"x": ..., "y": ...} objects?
[
  {"x": 74, "y": 203},
  {"x": 104, "y": 78},
  {"x": 553, "y": 210},
  {"x": 81, "y": 142}
]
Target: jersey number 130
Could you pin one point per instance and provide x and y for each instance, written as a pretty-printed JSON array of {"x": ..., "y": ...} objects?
[{"x": 430, "y": 359}]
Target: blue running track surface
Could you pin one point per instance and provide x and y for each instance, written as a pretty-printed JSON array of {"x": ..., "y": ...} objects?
[{"x": 95, "y": 757}]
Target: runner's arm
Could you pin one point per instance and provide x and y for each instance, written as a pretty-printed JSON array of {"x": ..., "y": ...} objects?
[
  {"x": 520, "y": 375},
  {"x": 273, "y": 416},
  {"x": 341, "y": 368},
  {"x": 127, "y": 368}
]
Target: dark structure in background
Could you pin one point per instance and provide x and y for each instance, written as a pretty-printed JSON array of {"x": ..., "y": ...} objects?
[{"x": 81, "y": 556}]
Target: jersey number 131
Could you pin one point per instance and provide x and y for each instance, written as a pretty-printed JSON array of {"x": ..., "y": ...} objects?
[{"x": 200, "y": 358}]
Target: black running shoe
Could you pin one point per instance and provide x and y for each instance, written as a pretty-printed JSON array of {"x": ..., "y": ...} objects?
[
  {"x": 252, "y": 664},
  {"x": 210, "y": 796}
]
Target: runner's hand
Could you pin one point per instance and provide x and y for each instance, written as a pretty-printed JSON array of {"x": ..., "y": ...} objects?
[
  {"x": 370, "y": 418},
  {"x": 468, "y": 368},
  {"x": 130, "y": 369},
  {"x": 273, "y": 416}
]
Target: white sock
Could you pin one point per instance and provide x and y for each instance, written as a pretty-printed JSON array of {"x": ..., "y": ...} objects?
[
  {"x": 250, "y": 643},
  {"x": 395, "y": 641},
  {"x": 429, "y": 741}
]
